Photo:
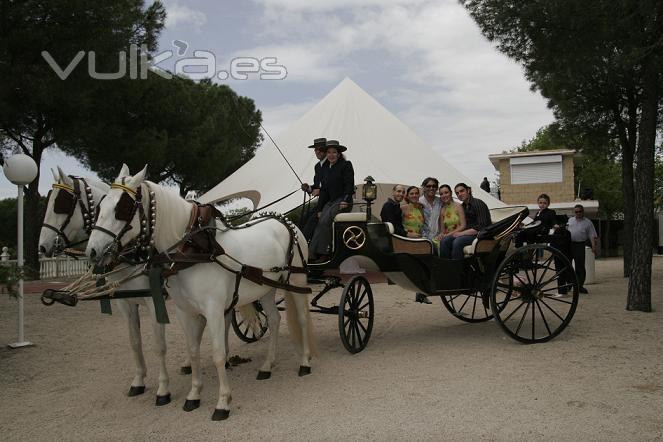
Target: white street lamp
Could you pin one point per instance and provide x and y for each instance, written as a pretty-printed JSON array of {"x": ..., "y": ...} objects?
[{"x": 20, "y": 170}]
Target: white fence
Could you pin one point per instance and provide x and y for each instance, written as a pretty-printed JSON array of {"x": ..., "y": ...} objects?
[{"x": 59, "y": 267}]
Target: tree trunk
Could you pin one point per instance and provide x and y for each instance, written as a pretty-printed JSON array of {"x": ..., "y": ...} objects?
[
  {"x": 639, "y": 285},
  {"x": 33, "y": 217},
  {"x": 629, "y": 206}
]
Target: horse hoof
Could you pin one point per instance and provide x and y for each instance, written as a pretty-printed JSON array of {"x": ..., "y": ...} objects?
[
  {"x": 163, "y": 400},
  {"x": 220, "y": 415},
  {"x": 304, "y": 370},
  {"x": 262, "y": 375},
  {"x": 185, "y": 370},
  {"x": 190, "y": 405},
  {"x": 135, "y": 391}
]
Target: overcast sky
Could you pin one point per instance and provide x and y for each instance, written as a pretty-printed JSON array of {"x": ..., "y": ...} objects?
[{"x": 424, "y": 60}]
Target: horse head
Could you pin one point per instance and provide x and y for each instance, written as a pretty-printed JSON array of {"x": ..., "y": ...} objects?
[
  {"x": 69, "y": 213},
  {"x": 118, "y": 222}
]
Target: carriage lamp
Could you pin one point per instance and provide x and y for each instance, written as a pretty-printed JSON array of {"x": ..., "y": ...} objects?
[
  {"x": 369, "y": 193},
  {"x": 21, "y": 170}
]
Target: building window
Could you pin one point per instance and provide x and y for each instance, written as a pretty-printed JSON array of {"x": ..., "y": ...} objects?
[{"x": 536, "y": 169}]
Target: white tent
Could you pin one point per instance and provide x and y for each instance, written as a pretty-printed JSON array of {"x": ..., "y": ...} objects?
[{"x": 379, "y": 145}]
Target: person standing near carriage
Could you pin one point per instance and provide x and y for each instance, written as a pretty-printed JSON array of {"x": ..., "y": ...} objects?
[
  {"x": 310, "y": 221},
  {"x": 582, "y": 233},
  {"x": 336, "y": 190},
  {"x": 477, "y": 217}
]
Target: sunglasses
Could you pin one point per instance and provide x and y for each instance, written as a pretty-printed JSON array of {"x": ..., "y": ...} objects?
[{"x": 431, "y": 186}]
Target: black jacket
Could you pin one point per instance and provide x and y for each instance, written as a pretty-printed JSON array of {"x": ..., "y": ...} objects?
[
  {"x": 391, "y": 213},
  {"x": 317, "y": 178},
  {"x": 547, "y": 218},
  {"x": 338, "y": 181}
]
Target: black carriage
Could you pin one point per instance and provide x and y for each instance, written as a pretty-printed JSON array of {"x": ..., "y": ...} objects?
[
  {"x": 521, "y": 288},
  {"x": 531, "y": 292}
]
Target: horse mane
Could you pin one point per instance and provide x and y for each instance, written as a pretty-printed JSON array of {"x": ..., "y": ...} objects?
[{"x": 169, "y": 227}]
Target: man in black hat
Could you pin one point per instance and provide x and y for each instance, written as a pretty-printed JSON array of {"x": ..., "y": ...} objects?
[{"x": 309, "y": 220}]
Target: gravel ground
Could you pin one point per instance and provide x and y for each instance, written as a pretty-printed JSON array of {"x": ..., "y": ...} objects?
[{"x": 424, "y": 376}]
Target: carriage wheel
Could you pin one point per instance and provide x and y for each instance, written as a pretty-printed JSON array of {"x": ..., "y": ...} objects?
[
  {"x": 355, "y": 314},
  {"x": 242, "y": 329},
  {"x": 527, "y": 289},
  {"x": 468, "y": 307}
]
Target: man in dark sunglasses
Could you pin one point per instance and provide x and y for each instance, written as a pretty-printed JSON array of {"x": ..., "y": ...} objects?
[{"x": 582, "y": 232}]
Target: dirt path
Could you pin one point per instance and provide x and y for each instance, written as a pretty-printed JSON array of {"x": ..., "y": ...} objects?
[{"x": 424, "y": 376}]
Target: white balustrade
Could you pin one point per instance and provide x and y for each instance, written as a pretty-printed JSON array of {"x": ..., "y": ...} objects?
[{"x": 58, "y": 267}]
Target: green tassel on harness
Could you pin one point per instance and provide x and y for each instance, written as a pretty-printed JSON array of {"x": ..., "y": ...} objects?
[{"x": 156, "y": 288}]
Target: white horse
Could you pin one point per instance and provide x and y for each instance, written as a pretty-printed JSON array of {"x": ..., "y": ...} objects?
[
  {"x": 205, "y": 291},
  {"x": 68, "y": 228}
]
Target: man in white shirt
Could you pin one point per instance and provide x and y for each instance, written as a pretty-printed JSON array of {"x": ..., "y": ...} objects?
[
  {"x": 582, "y": 231},
  {"x": 432, "y": 206}
]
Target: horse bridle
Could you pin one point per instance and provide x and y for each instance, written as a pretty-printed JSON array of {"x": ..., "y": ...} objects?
[
  {"x": 130, "y": 203},
  {"x": 65, "y": 203}
]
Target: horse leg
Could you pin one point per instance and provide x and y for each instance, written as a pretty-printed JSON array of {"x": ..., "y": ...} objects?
[
  {"x": 227, "y": 334},
  {"x": 268, "y": 303},
  {"x": 186, "y": 365},
  {"x": 217, "y": 327},
  {"x": 194, "y": 325},
  {"x": 130, "y": 312},
  {"x": 163, "y": 392},
  {"x": 302, "y": 327}
]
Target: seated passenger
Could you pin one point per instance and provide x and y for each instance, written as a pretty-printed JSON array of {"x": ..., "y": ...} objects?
[
  {"x": 413, "y": 213},
  {"x": 432, "y": 205},
  {"x": 547, "y": 218},
  {"x": 452, "y": 215},
  {"x": 477, "y": 217},
  {"x": 336, "y": 190},
  {"x": 391, "y": 210}
]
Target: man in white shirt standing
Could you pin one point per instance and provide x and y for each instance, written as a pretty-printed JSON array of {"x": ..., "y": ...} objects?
[{"x": 582, "y": 231}]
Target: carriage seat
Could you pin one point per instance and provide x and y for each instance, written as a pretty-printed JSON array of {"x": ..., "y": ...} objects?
[
  {"x": 350, "y": 217},
  {"x": 489, "y": 237},
  {"x": 414, "y": 246}
]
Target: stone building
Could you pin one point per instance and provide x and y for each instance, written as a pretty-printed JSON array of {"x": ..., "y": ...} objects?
[{"x": 526, "y": 175}]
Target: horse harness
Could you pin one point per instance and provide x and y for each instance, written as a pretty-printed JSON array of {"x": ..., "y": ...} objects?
[
  {"x": 199, "y": 244},
  {"x": 130, "y": 203},
  {"x": 65, "y": 203}
]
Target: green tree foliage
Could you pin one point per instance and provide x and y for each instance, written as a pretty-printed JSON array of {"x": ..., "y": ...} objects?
[
  {"x": 191, "y": 134},
  {"x": 36, "y": 106},
  {"x": 599, "y": 63}
]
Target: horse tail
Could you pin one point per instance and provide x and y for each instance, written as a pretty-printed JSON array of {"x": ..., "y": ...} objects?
[
  {"x": 292, "y": 310},
  {"x": 251, "y": 318}
]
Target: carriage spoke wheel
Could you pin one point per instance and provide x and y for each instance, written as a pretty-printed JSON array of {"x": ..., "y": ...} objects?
[
  {"x": 468, "y": 307},
  {"x": 242, "y": 328},
  {"x": 528, "y": 293},
  {"x": 355, "y": 314}
]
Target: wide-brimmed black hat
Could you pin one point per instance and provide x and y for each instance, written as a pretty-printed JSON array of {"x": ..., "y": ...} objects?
[
  {"x": 336, "y": 145},
  {"x": 319, "y": 142}
]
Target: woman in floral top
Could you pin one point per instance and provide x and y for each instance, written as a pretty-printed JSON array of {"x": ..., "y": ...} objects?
[
  {"x": 452, "y": 215},
  {"x": 413, "y": 214}
]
